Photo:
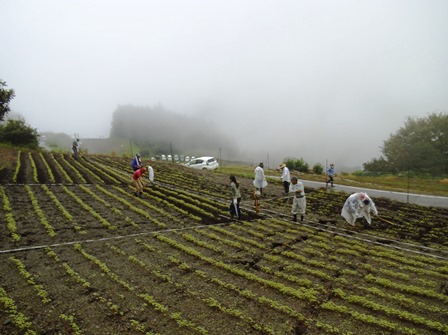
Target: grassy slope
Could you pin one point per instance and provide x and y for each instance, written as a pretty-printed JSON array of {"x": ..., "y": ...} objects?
[
  {"x": 431, "y": 186},
  {"x": 8, "y": 157}
]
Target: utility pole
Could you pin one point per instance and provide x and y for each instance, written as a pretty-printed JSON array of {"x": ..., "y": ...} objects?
[{"x": 408, "y": 187}]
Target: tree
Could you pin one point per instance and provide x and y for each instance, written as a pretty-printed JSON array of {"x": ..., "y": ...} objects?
[
  {"x": 6, "y": 95},
  {"x": 421, "y": 145},
  {"x": 377, "y": 165},
  {"x": 16, "y": 132}
]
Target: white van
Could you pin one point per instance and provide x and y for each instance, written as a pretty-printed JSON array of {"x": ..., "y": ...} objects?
[{"x": 203, "y": 163}]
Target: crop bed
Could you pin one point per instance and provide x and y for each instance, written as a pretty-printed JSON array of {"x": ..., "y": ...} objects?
[{"x": 81, "y": 255}]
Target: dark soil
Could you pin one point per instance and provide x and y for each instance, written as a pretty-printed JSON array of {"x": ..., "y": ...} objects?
[{"x": 174, "y": 263}]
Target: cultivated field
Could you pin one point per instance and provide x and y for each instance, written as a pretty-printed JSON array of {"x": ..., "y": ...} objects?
[{"x": 79, "y": 254}]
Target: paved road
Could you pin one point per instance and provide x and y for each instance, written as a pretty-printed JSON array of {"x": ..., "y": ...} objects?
[{"x": 418, "y": 199}]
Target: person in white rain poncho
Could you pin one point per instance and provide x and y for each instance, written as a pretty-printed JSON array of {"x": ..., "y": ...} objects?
[
  {"x": 150, "y": 173},
  {"x": 358, "y": 205},
  {"x": 260, "y": 180}
]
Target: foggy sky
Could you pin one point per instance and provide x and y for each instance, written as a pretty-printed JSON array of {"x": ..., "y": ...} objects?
[{"x": 323, "y": 80}]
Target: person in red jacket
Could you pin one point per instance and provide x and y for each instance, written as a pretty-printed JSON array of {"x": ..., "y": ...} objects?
[{"x": 137, "y": 181}]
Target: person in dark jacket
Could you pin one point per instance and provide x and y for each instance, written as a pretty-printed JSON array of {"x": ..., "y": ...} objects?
[
  {"x": 136, "y": 162},
  {"x": 75, "y": 148},
  {"x": 236, "y": 198}
]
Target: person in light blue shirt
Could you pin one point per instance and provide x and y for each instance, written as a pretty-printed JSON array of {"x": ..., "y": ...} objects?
[{"x": 330, "y": 173}]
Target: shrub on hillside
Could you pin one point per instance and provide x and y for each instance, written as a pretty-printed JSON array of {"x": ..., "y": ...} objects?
[
  {"x": 318, "y": 168},
  {"x": 296, "y": 164},
  {"x": 17, "y": 132}
]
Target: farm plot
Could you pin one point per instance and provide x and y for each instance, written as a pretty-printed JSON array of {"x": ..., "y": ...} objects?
[{"x": 81, "y": 255}]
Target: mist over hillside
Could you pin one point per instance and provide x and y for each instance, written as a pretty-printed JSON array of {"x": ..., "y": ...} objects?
[{"x": 158, "y": 130}]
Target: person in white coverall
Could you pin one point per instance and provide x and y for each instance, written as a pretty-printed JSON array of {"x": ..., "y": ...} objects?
[
  {"x": 299, "y": 201},
  {"x": 260, "y": 180},
  {"x": 358, "y": 205}
]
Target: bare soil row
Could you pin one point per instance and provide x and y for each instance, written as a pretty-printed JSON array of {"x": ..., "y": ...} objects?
[{"x": 91, "y": 258}]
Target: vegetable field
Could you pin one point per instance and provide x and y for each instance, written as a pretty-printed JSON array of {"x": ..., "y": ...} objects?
[{"x": 80, "y": 254}]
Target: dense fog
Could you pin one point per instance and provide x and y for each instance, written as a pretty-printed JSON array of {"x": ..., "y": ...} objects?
[
  {"x": 162, "y": 131},
  {"x": 321, "y": 80}
]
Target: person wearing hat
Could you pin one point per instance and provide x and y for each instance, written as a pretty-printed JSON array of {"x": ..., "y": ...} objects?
[
  {"x": 299, "y": 201},
  {"x": 285, "y": 177},
  {"x": 330, "y": 173},
  {"x": 358, "y": 205},
  {"x": 260, "y": 180},
  {"x": 137, "y": 181},
  {"x": 136, "y": 162}
]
